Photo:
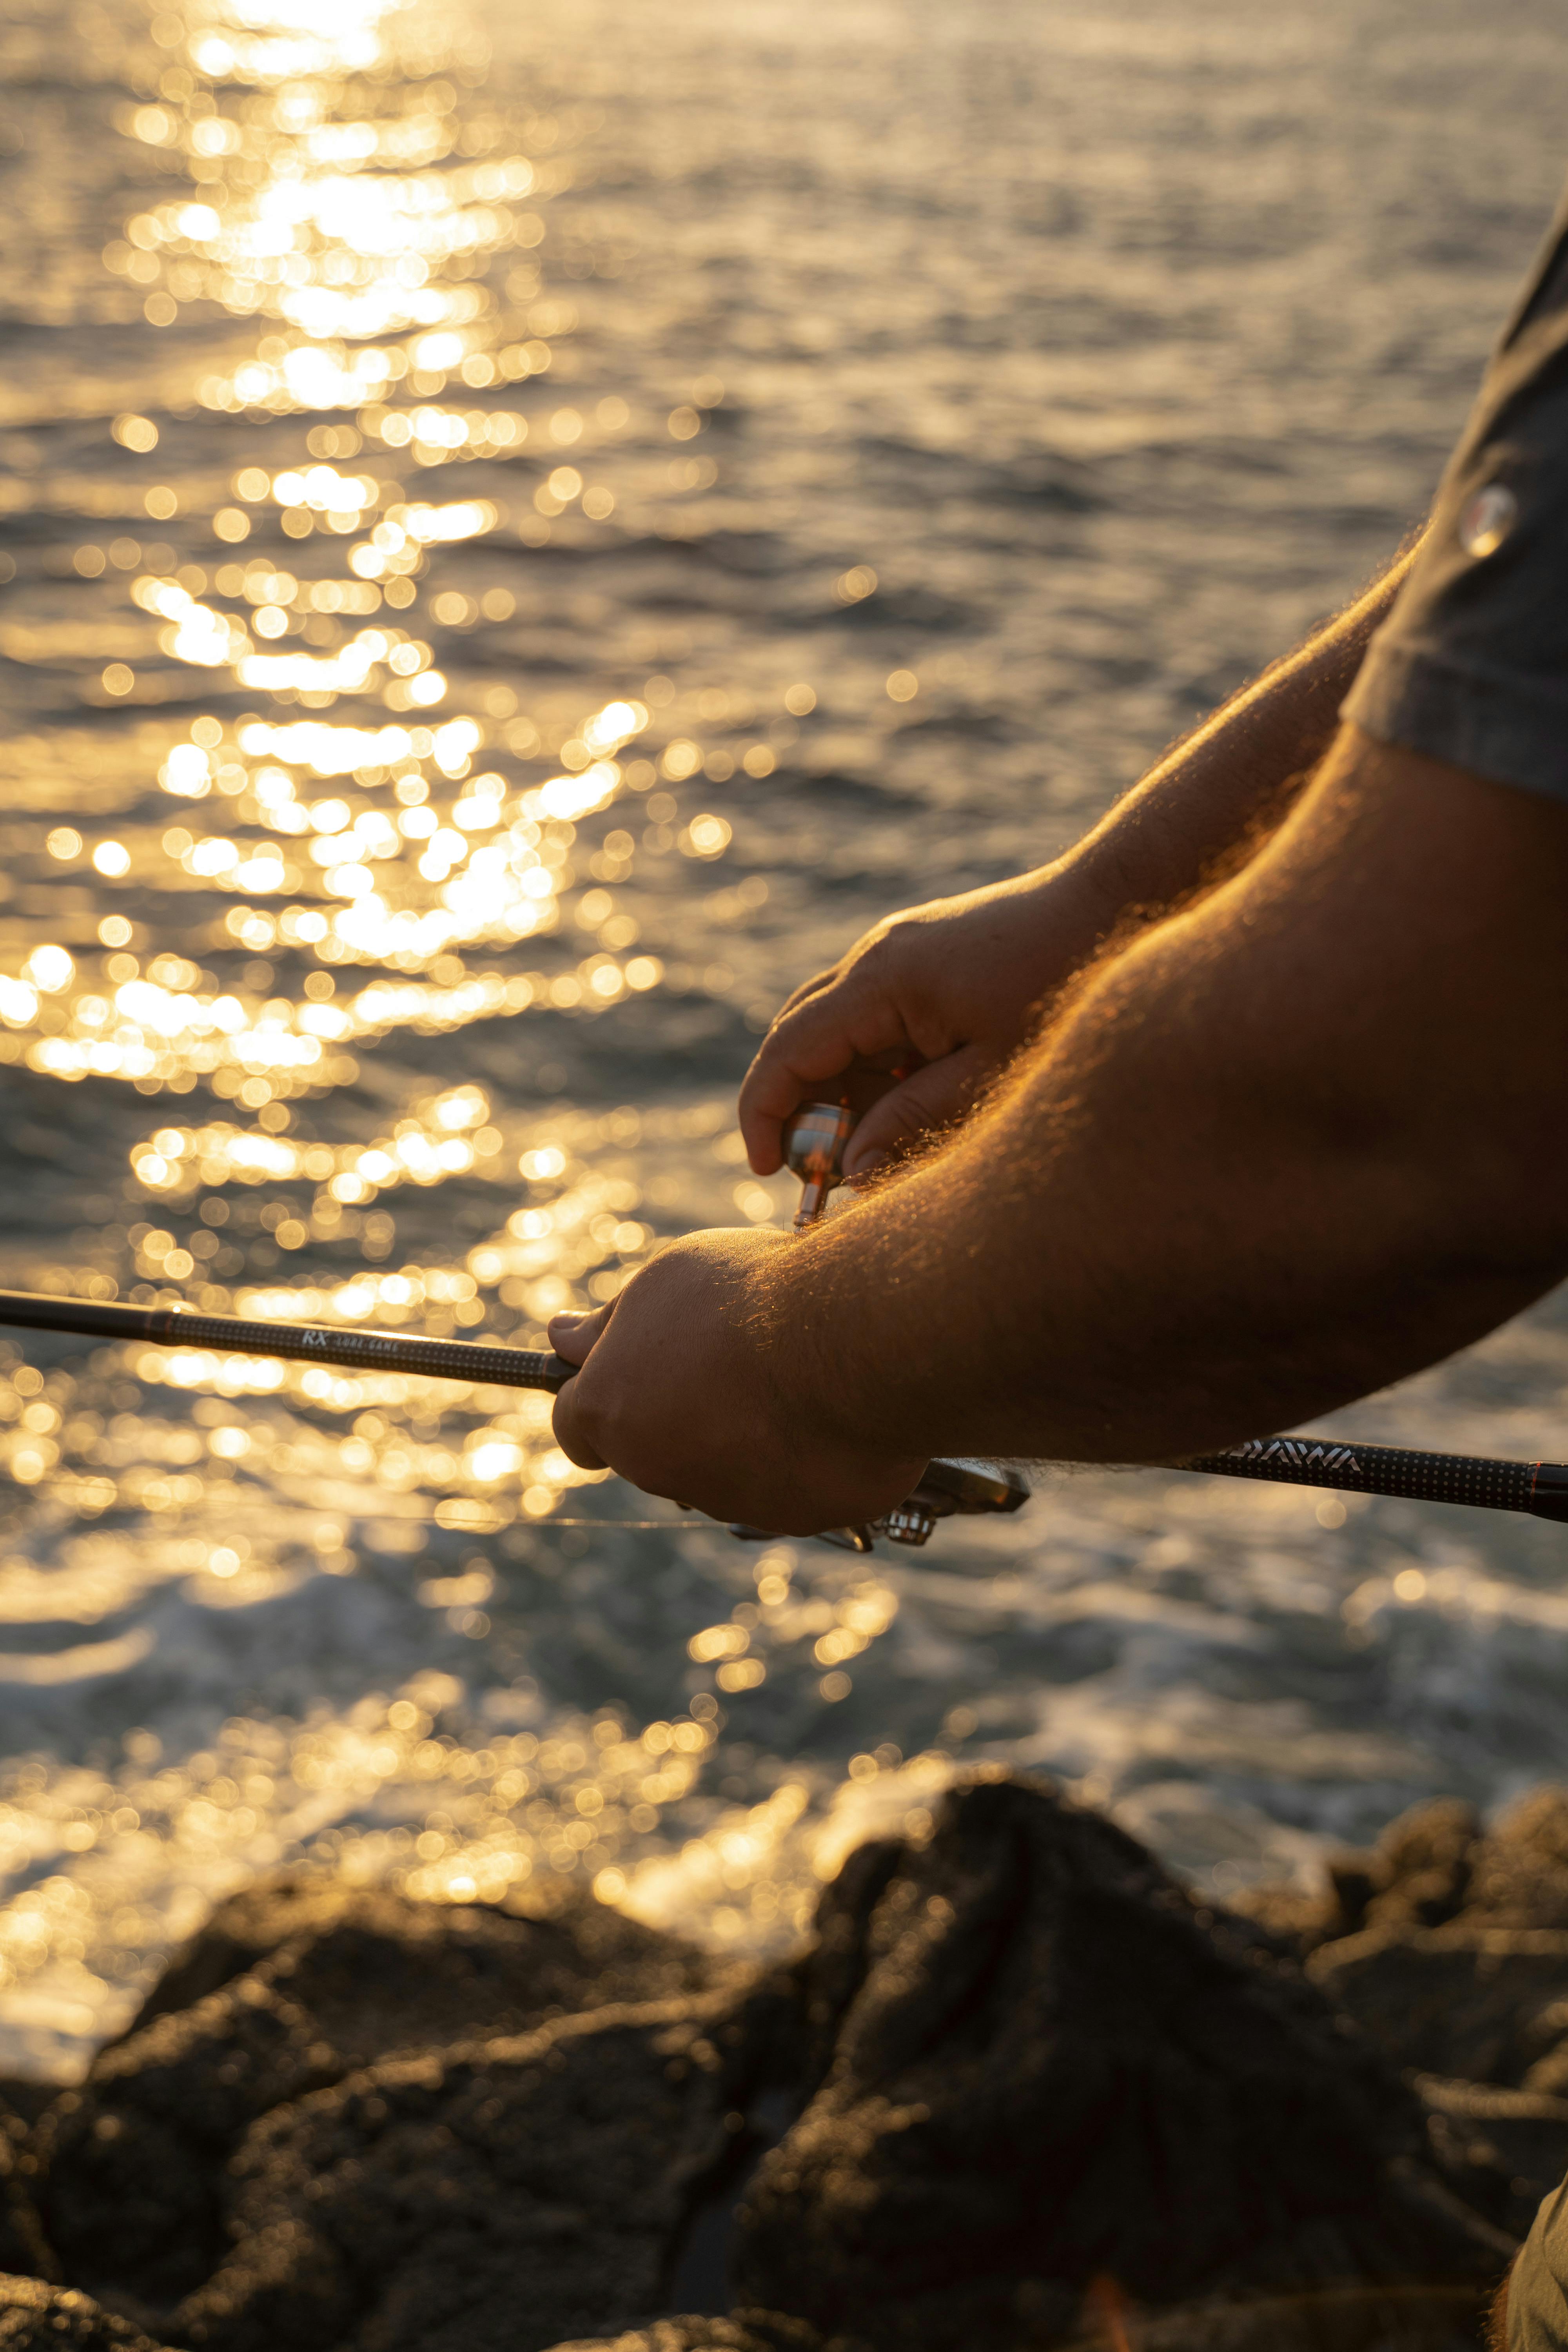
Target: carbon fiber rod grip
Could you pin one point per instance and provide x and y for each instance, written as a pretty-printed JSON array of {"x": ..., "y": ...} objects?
[
  {"x": 1477, "y": 1479},
  {"x": 359, "y": 1352}
]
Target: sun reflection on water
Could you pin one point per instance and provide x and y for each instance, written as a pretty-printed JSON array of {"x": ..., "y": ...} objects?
[
  {"x": 276, "y": 1480},
  {"x": 370, "y": 830}
]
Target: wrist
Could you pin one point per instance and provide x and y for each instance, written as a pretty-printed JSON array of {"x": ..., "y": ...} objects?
[
  {"x": 827, "y": 1315},
  {"x": 1088, "y": 893},
  {"x": 786, "y": 1317}
]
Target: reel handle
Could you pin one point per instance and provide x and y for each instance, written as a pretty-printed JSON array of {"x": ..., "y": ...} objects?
[{"x": 814, "y": 1144}]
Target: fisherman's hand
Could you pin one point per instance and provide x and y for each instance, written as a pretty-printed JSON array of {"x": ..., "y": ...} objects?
[
  {"x": 947, "y": 993},
  {"x": 694, "y": 1386}
]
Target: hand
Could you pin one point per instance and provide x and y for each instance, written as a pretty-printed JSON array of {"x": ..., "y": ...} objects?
[
  {"x": 947, "y": 993},
  {"x": 695, "y": 1385}
]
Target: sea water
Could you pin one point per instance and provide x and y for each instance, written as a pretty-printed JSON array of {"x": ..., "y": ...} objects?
[{"x": 523, "y": 532}]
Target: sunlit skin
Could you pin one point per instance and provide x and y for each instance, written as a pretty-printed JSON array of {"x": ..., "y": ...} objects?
[
  {"x": 950, "y": 990},
  {"x": 1279, "y": 1148}
]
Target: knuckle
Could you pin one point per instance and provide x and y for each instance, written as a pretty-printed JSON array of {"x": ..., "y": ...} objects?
[
  {"x": 774, "y": 1046},
  {"x": 867, "y": 958},
  {"x": 896, "y": 934}
]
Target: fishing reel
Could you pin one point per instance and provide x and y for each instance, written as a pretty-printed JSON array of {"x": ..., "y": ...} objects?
[
  {"x": 947, "y": 1489},
  {"x": 813, "y": 1150}
]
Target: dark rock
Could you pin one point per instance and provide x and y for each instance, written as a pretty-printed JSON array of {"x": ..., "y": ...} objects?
[
  {"x": 22, "y": 2102},
  {"x": 1025, "y": 2092},
  {"x": 1421, "y": 2321},
  {"x": 1550, "y": 2074},
  {"x": 1300, "y": 1919},
  {"x": 1461, "y": 2000},
  {"x": 379, "y": 1973},
  {"x": 1455, "y": 1960},
  {"x": 1433, "y": 1865},
  {"x": 393, "y": 1975},
  {"x": 744, "y": 2331},
  {"x": 24, "y": 2248},
  {"x": 835, "y": 1965},
  {"x": 1422, "y": 1867},
  {"x": 1050, "y": 2065},
  {"x": 131, "y": 2166},
  {"x": 1419, "y": 1874},
  {"x": 1352, "y": 1886},
  {"x": 38, "y": 2318},
  {"x": 490, "y": 2200},
  {"x": 241, "y": 1931},
  {"x": 1520, "y": 1876},
  {"x": 1518, "y": 2139}
]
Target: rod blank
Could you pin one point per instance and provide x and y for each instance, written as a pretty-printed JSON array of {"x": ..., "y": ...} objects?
[{"x": 233, "y": 1335}]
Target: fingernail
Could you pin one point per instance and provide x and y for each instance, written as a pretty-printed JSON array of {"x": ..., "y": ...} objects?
[{"x": 567, "y": 1320}]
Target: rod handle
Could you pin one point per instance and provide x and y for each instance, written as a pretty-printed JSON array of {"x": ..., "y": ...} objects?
[{"x": 1481, "y": 1481}]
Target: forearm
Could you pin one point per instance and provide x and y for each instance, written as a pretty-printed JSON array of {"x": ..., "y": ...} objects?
[
  {"x": 952, "y": 990},
  {"x": 1293, "y": 1143},
  {"x": 1214, "y": 796}
]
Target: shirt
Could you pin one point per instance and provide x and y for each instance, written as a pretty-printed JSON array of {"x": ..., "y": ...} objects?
[
  {"x": 1537, "y": 2303},
  {"x": 1471, "y": 665}
]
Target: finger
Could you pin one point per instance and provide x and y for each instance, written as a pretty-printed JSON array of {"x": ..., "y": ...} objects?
[
  {"x": 906, "y": 1116},
  {"x": 809, "y": 988},
  {"x": 568, "y": 1421},
  {"x": 572, "y": 1335},
  {"x": 805, "y": 1049}
]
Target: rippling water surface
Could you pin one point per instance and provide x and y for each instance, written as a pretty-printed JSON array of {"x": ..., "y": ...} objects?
[{"x": 522, "y": 533}]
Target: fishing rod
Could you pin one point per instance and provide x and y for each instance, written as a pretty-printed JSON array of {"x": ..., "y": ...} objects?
[
  {"x": 945, "y": 1489},
  {"x": 814, "y": 1142}
]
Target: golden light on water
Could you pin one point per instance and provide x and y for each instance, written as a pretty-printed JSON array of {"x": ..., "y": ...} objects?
[
  {"x": 402, "y": 878},
  {"x": 385, "y": 822},
  {"x": 257, "y": 1490},
  {"x": 461, "y": 1824}
]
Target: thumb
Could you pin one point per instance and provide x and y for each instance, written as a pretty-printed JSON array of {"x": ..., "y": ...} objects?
[
  {"x": 937, "y": 1095},
  {"x": 574, "y": 1336}
]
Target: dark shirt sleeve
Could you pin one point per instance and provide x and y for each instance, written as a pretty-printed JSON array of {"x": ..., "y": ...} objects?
[
  {"x": 1537, "y": 2306},
  {"x": 1471, "y": 666}
]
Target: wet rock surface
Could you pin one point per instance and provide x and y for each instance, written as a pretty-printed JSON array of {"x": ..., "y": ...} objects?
[
  {"x": 1021, "y": 2090},
  {"x": 1051, "y": 2066},
  {"x": 1448, "y": 1944},
  {"x": 499, "y": 2196},
  {"x": 36, "y": 2318},
  {"x": 1435, "y": 1866},
  {"x": 745, "y": 2331},
  {"x": 306, "y": 1988}
]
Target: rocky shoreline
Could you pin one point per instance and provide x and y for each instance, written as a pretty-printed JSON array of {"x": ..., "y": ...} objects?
[{"x": 1022, "y": 2090}]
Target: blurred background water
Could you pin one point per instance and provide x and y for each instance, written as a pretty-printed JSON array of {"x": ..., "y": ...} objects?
[{"x": 522, "y": 533}]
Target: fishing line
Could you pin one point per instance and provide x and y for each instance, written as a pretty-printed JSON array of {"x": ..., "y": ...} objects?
[{"x": 68, "y": 1485}]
